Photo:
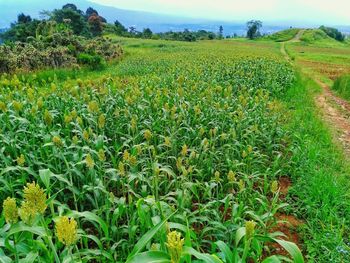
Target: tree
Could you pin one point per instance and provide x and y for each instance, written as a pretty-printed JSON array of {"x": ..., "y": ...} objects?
[
  {"x": 23, "y": 19},
  {"x": 21, "y": 31},
  {"x": 147, "y": 33},
  {"x": 75, "y": 19},
  {"x": 132, "y": 30},
  {"x": 221, "y": 32},
  {"x": 188, "y": 36},
  {"x": 253, "y": 29},
  {"x": 119, "y": 28},
  {"x": 90, "y": 11},
  {"x": 73, "y": 7},
  {"x": 333, "y": 33},
  {"x": 95, "y": 24}
]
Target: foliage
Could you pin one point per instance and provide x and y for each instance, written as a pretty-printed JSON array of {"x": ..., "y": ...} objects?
[
  {"x": 187, "y": 140},
  {"x": 119, "y": 28},
  {"x": 73, "y": 18},
  {"x": 253, "y": 29},
  {"x": 333, "y": 33},
  {"x": 55, "y": 51},
  {"x": 69, "y": 17},
  {"x": 21, "y": 31},
  {"x": 93, "y": 61},
  {"x": 95, "y": 24}
]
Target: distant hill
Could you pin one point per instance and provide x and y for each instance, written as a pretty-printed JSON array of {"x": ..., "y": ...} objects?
[
  {"x": 317, "y": 36},
  {"x": 283, "y": 35},
  {"x": 157, "y": 22}
]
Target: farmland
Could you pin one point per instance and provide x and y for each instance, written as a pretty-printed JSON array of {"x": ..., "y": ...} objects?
[{"x": 211, "y": 150}]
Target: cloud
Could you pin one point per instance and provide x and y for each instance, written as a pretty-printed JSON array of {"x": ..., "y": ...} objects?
[{"x": 335, "y": 11}]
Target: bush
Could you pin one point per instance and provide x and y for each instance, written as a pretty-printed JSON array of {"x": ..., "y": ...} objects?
[
  {"x": 59, "y": 50},
  {"x": 333, "y": 33},
  {"x": 92, "y": 61}
]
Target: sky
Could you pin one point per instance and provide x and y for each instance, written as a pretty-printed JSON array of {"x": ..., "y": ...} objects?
[{"x": 334, "y": 12}]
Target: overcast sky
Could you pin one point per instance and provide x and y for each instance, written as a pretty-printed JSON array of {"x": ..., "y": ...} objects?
[{"x": 319, "y": 11}]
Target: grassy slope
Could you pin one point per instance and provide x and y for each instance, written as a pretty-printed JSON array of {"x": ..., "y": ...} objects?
[
  {"x": 321, "y": 56},
  {"x": 317, "y": 36},
  {"x": 283, "y": 35}
]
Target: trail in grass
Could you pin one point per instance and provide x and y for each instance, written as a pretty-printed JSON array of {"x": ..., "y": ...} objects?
[{"x": 335, "y": 111}]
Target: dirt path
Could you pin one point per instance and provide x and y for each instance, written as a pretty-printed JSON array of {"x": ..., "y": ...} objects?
[
  {"x": 335, "y": 110},
  {"x": 336, "y": 113}
]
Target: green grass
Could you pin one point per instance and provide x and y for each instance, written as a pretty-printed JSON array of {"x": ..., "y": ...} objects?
[
  {"x": 321, "y": 178},
  {"x": 283, "y": 35},
  {"x": 342, "y": 86},
  {"x": 320, "y": 38}
]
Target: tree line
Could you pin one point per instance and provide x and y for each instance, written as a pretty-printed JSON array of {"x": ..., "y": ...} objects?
[{"x": 91, "y": 24}]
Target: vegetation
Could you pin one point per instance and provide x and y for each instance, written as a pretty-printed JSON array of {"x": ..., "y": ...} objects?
[
  {"x": 179, "y": 152},
  {"x": 52, "y": 49},
  {"x": 342, "y": 86},
  {"x": 284, "y": 35},
  {"x": 333, "y": 33},
  {"x": 109, "y": 166},
  {"x": 253, "y": 29},
  {"x": 315, "y": 36}
]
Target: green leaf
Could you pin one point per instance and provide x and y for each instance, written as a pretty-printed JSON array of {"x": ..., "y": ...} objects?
[
  {"x": 292, "y": 249},
  {"x": 202, "y": 256},
  {"x": 240, "y": 234},
  {"x": 150, "y": 257},
  {"x": 91, "y": 217},
  {"x": 4, "y": 258},
  {"x": 226, "y": 251},
  {"x": 147, "y": 238},
  {"x": 30, "y": 258},
  {"x": 272, "y": 259},
  {"x": 21, "y": 227},
  {"x": 45, "y": 176}
]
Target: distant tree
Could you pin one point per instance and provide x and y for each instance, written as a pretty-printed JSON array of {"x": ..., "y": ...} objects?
[
  {"x": 253, "y": 29},
  {"x": 333, "y": 33},
  {"x": 119, "y": 28},
  {"x": 21, "y": 30},
  {"x": 90, "y": 11},
  {"x": 147, "y": 33},
  {"x": 95, "y": 24},
  {"x": 23, "y": 19},
  {"x": 221, "y": 32},
  {"x": 74, "y": 18},
  {"x": 132, "y": 30},
  {"x": 211, "y": 36},
  {"x": 73, "y": 7},
  {"x": 188, "y": 36}
]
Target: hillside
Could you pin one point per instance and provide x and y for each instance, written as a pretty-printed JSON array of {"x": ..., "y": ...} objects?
[
  {"x": 317, "y": 36},
  {"x": 283, "y": 35}
]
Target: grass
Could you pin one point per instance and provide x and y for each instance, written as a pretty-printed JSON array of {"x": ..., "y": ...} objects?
[
  {"x": 319, "y": 37},
  {"x": 284, "y": 35},
  {"x": 325, "y": 58},
  {"x": 342, "y": 86},
  {"x": 320, "y": 173}
]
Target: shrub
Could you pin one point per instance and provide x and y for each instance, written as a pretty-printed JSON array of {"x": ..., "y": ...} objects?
[
  {"x": 59, "y": 50},
  {"x": 92, "y": 61}
]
